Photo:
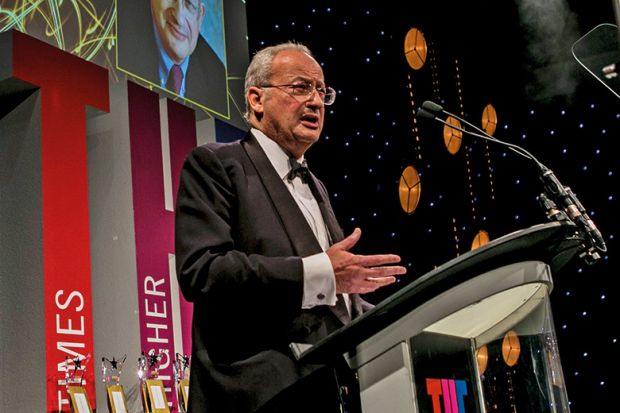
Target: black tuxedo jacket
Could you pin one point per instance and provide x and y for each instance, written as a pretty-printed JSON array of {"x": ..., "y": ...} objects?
[{"x": 240, "y": 237}]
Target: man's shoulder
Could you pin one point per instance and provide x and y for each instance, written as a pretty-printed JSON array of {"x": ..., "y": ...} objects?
[
  {"x": 221, "y": 149},
  {"x": 206, "y": 72},
  {"x": 208, "y": 58}
]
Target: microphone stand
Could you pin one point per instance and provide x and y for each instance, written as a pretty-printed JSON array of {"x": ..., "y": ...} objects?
[{"x": 557, "y": 200}]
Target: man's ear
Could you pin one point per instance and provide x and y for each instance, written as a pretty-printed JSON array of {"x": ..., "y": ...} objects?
[
  {"x": 255, "y": 99},
  {"x": 203, "y": 13}
]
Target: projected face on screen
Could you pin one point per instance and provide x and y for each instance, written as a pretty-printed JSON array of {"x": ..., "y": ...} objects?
[
  {"x": 151, "y": 36},
  {"x": 178, "y": 26},
  {"x": 178, "y": 47}
]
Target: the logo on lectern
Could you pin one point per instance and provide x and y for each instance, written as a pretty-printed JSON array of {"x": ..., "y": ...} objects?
[{"x": 448, "y": 393}]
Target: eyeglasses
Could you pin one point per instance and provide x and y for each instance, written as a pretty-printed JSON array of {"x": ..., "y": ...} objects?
[{"x": 305, "y": 89}]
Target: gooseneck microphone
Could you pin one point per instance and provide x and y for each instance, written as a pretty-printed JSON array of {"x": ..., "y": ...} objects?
[
  {"x": 558, "y": 201},
  {"x": 430, "y": 110},
  {"x": 432, "y": 107}
]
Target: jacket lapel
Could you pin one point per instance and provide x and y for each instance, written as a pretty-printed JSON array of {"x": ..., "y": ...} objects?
[
  {"x": 299, "y": 232},
  {"x": 322, "y": 198}
]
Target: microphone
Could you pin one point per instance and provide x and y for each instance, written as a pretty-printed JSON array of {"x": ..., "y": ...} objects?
[
  {"x": 432, "y": 107},
  {"x": 423, "y": 113},
  {"x": 573, "y": 208},
  {"x": 556, "y": 193}
]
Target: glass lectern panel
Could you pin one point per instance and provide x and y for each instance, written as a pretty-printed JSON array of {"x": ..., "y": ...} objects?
[{"x": 496, "y": 355}]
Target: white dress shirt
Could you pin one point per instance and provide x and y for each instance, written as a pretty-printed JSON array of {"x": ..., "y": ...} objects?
[{"x": 319, "y": 278}]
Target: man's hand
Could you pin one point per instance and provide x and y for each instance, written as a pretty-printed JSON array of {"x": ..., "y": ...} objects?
[{"x": 361, "y": 273}]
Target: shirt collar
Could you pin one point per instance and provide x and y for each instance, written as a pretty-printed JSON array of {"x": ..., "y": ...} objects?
[{"x": 276, "y": 155}]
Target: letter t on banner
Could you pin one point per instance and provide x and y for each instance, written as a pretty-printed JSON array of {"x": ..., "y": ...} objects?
[{"x": 67, "y": 85}]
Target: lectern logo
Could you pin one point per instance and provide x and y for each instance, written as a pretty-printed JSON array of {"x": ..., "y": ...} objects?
[{"x": 447, "y": 392}]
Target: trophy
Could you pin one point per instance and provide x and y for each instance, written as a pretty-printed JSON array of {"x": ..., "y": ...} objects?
[
  {"x": 142, "y": 369},
  {"x": 181, "y": 379},
  {"x": 75, "y": 369},
  {"x": 75, "y": 376},
  {"x": 152, "y": 389},
  {"x": 111, "y": 377},
  {"x": 111, "y": 370}
]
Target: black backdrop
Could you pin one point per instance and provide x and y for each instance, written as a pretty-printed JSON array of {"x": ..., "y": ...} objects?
[{"x": 515, "y": 57}]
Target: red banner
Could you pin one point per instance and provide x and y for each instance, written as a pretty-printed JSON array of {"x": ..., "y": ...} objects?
[{"x": 67, "y": 85}]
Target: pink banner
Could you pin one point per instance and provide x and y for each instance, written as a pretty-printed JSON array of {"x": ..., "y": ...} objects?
[{"x": 154, "y": 223}]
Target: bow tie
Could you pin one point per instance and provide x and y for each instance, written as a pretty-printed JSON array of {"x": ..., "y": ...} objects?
[{"x": 298, "y": 169}]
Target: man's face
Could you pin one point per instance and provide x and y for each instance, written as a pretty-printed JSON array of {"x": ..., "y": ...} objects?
[
  {"x": 178, "y": 24},
  {"x": 295, "y": 122}
]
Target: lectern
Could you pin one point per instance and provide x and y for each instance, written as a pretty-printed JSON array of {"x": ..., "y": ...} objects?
[{"x": 474, "y": 335}]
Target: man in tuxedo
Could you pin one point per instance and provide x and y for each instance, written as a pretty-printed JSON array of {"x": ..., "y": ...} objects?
[
  {"x": 160, "y": 42},
  {"x": 261, "y": 256}
]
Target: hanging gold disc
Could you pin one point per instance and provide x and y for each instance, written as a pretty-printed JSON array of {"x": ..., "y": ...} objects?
[
  {"x": 452, "y": 138},
  {"x": 511, "y": 348},
  {"x": 409, "y": 189},
  {"x": 415, "y": 48},
  {"x": 489, "y": 119},
  {"x": 481, "y": 238}
]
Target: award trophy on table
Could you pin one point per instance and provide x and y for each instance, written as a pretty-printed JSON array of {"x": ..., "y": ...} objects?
[
  {"x": 111, "y": 376},
  {"x": 151, "y": 388},
  {"x": 74, "y": 382},
  {"x": 181, "y": 380}
]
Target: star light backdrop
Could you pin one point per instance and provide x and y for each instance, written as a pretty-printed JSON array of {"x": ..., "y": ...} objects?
[{"x": 513, "y": 56}]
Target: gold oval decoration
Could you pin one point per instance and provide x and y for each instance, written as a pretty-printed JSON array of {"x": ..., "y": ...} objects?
[
  {"x": 489, "y": 119},
  {"x": 415, "y": 48},
  {"x": 482, "y": 356},
  {"x": 452, "y": 137},
  {"x": 409, "y": 189},
  {"x": 481, "y": 238},
  {"x": 511, "y": 348}
]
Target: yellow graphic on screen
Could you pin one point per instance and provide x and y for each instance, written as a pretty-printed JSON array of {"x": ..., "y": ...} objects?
[{"x": 83, "y": 28}]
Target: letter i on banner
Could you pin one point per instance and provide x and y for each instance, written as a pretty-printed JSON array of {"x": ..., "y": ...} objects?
[{"x": 154, "y": 218}]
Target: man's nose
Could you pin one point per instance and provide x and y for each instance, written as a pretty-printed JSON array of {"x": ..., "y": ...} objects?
[{"x": 315, "y": 98}]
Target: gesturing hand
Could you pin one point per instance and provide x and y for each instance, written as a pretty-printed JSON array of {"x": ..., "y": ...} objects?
[{"x": 361, "y": 273}]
